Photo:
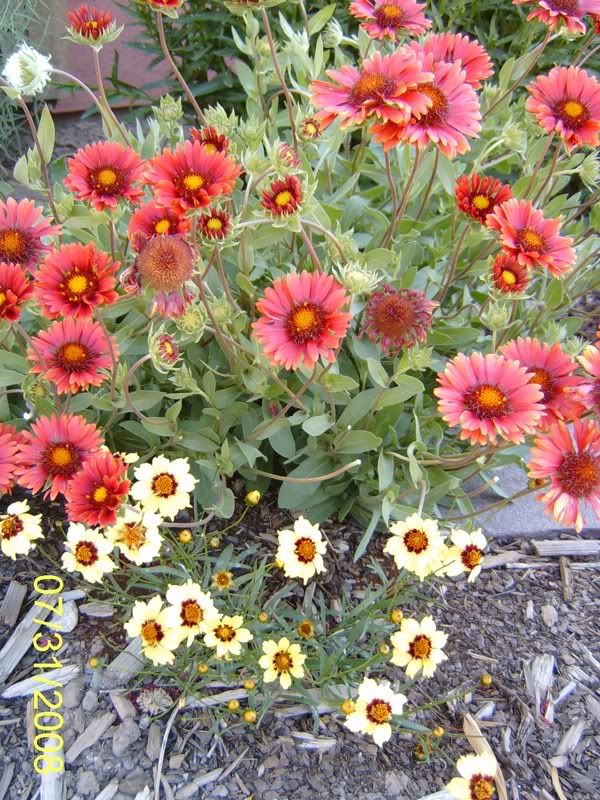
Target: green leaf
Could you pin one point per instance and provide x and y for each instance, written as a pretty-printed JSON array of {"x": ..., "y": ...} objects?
[
  {"x": 554, "y": 292},
  {"x": 46, "y": 134},
  {"x": 315, "y": 426},
  {"x": 339, "y": 383},
  {"x": 366, "y": 538},
  {"x": 144, "y": 399},
  {"x": 385, "y": 470},
  {"x": 320, "y": 19},
  {"x": 377, "y": 373},
  {"x": 407, "y": 387},
  {"x": 359, "y": 407},
  {"x": 198, "y": 443},
  {"x": 358, "y": 442},
  {"x": 282, "y": 441}
]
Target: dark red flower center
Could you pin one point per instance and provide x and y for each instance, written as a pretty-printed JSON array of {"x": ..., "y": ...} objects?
[
  {"x": 282, "y": 661},
  {"x": 10, "y": 526},
  {"x": 86, "y": 553},
  {"x": 572, "y": 113},
  {"x": 389, "y": 15},
  {"x": 108, "y": 180},
  {"x": 164, "y": 485},
  {"x": 132, "y": 535},
  {"x": 61, "y": 458},
  {"x": 152, "y": 633},
  {"x": 420, "y": 647},
  {"x": 394, "y": 315},
  {"x": 579, "y": 474},
  {"x": 378, "y": 711},
  {"x": 544, "y": 380},
  {"x": 371, "y": 86},
  {"x": 437, "y": 113},
  {"x": 487, "y": 401},
  {"x": 191, "y": 613},
  {"x": 481, "y": 787},
  {"x": 225, "y": 633},
  {"x": 416, "y": 541},
  {"x": 305, "y": 550},
  {"x": 165, "y": 263},
  {"x": 471, "y": 556},
  {"x": 564, "y": 6},
  {"x": 306, "y": 323}
]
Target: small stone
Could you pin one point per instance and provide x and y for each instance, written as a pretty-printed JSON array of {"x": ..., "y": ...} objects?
[
  {"x": 87, "y": 783},
  {"x": 396, "y": 784},
  {"x": 220, "y": 791},
  {"x": 135, "y": 782},
  {"x": 90, "y": 701},
  {"x": 70, "y": 617},
  {"x": 549, "y": 615},
  {"x": 72, "y": 693},
  {"x": 154, "y": 741},
  {"x": 125, "y": 735}
]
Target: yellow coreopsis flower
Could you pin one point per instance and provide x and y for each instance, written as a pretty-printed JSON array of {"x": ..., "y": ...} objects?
[
  {"x": 227, "y": 635},
  {"x": 416, "y": 545},
  {"x": 191, "y": 610},
  {"x": 164, "y": 486},
  {"x": 136, "y": 533},
  {"x": 88, "y": 552},
  {"x": 465, "y": 554},
  {"x": 150, "y": 622},
  {"x": 282, "y": 660},
  {"x": 373, "y": 710},
  {"x": 418, "y": 646},
  {"x": 301, "y": 550},
  {"x": 477, "y": 778},
  {"x": 19, "y": 529}
]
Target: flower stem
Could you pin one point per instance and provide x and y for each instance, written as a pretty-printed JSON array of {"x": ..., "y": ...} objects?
[
  {"x": 315, "y": 479},
  {"x": 104, "y": 98},
  {"x": 43, "y": 165},
  {"x": 182, "y": 82},
  {"x": 286, "y": 92},
  {"x": 102, "y": 111},
  {"x": 429, "y": 187}
]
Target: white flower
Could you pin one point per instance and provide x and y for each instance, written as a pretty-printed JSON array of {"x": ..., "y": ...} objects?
[
  {"x": 301, "y": 550},
  {"x": 19, "y": 529},
  {"x": 477, "y": 778},
  {"x": 190, "y": 609},
  {"x": 467, "y": 553},
  {"x": 88, "y": 552},
  {"x": 226, "y": 636},
  {"x": 374, "y": 708},
  {"x": 418, "y": 645},
  {"x": 282, "y": 660},
  {"x": 164, "y": 486},
  {"x": 136, "y": 534},
  {"x": 416, "y": 545},
  {"x": 149, "y": 621},
  {"x": 27, "y": 71}
]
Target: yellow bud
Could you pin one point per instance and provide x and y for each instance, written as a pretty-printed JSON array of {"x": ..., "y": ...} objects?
[
  {"x": 347, "y": 707},
  {"x": 185, "y": 537},
  {"x": 202, "y": 668},
  {"x": 419, "y": 753},
  {"x": 263, "y": 617},
  {"x": 181, "y": 703},
  {"x": 486, "y": 679},
  {"x": 249, "y": 716},
  {"x": 214, "y": 541},
  {"x": 249, "y": 685},
  {"x": 438, "y": 731},
  {"x": 306, "y": 629},
  {"x": 253, "y": 498},
  {"x": 384, "y": 649},
  {"x": 233, "y": 705},
  {"x": 396, "y": 616},
  {"x": 94, "y": 663}
]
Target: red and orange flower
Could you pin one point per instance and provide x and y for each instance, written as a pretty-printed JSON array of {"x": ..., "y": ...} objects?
[
  {"x": 74, "y": 279},
  {"x": 532, "y": 239},
  {"x": 452, "y": 47},
  {"x": 153, "y": 220},
  {"x": 103, "y": 173},
  {"x": 398, "y": 318},
  {"x": 589, "y": 390},
  {"x": 489, "y": 396},
  {"x": 283, "y": 197},
  {"x": 213, "y": 141},
  {"x": 389, "y": 18},
  {"x": 508, "y": 275},
  {"x": 23, "y": 229},
  {"x": 165, "y": 265},
  {"x": 15, "y": 289},
  {"x": 302, "y": 319},
  {"x": 96, "y": 492},
  {"x": 10, "y": 455},
  {"x": 216, "y": 224},
  {"x": 90, "y": 23},
  {"x": 54, "y": 450},
  {"x": 191, "y": 177},
  {"x": 570, "y": 13},
  {"x": 73, "y": 354},
  {"x": 570, "y": 460},
  {"x": 477, "y": 196}
]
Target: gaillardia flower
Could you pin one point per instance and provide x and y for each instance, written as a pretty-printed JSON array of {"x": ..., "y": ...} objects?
[
  {"x": 137, "y": 535},
  {"x": 149, "y": 621},
  {"x": 302, "y": 319},
  {"x": 213, "y": 141},
  {"x": 152, "y": 220},
  {"x": 398, "y": 318},
  {"x": 489, "y": 396},
  {"x": 418, "y": 646},
  {"x": 389, "y": 18},
  {"x": 555, "y": 13},
  {"x": 190, "y": 609},
  {"x": 283, "y": 197},
  {"x": 19, "y": 529},
  {"x": 27, "y": 71},
  {"x": 508, "y": 276},
  {"x": 103, "y": 173},
  {"x": 74, "y": 279},
  {"x": 589, "y": 390},
  {"x": 226, "y": 636},
  {"x": 375, "y": 706},
  {"x": 567, "y": 101},
  {"x": 465, "y": 553},
  {"x": 191, "y": 176},
  {"x": 88, "y": 552},
  {"x": 477, "y": 196},
  {"x": 311, "y": 128},
  {"x": 571, "y": 461},
  {"x": 73, "y": 354},
  {"x": 215, "y": 225},
  {"x": 386, "y": 87},
  {"x": 23, "y": 230},
  {"x": 164, "y": 486},
  {"x": 10, "y": 449},
  {"x": 15, "y": 289},
  {"x": 282, "y": 660},
  {"x": 54, "y": 451},
  {"x": 532, "y": 239},
  {"x": 553, "y": 371},
  {"x": 416, "y": 545},
  {"x": 96, "y": 493},
  {"x": 301, "y": 550},
  {"x": 165, "y": 265},
  {"x": 451, "y": 118},
  {"x": 476, "y": 780},
  {"x": 92, "y": 26},
  {"x": 453, "y": 47}
]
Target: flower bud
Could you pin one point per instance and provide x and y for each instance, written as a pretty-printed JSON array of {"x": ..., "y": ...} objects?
[
  {"x": 253, "y": 498},
  {"x": 217, "y": 117},
  {"x": 514, "y": 137},
  {"x": 396, "y": 616},
  {"x": 185, "y": 536},
  {"x": 221, "y": 310},
  {"x": 170, "y": 109},
  {"x": 347, "y": 707},
  {"x": 356, "y": 278},
  {"x": 193, "y": 321},
  {"x": 202, "y": 668},
  {"x": 263, "y": 617},
  {"x": 252, "y": 131},
  {"x": 497, "y": 316},
  {"x": 164, "y": 351},
  {"x": 438, "y": 731},
  {"x": 249, "y": 716},
  {"x": 486, "y": 679},
  {"x": 333, "y": 35},
  {"x": 589, "y": 170},
  {"x": 27, "y": 72},
  {"x": 249, "y": 685},
  {"x": 233, "y": 705}
]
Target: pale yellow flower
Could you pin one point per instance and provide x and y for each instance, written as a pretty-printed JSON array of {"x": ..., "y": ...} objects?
[
  {"x": 301, "y": 550},
  {"x": 190, "y": 609},
  {"x": 416, "y": 545},
  {"x": 19, "y": 529},
  {"x": 136, "y": 533},
  {"x": 88, "y": 552},
  {"x": 418, "y": 646},
  {"x": 149, "y": 621},
  {"x": 373, "y": 710},
  {"x": 477, "y": 778},
  {"x": 466, "y": 554},
  {"x": 227, "y": 635},
  {"x": 164, "y": 486},
  {"x": 282, "y": 660}
]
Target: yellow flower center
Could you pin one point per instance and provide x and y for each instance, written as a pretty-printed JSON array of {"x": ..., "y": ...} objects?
[
  {"x": 191, "y": 613},
  {"x": 193, "y": 182},
  {"x": 311, "y": 129},
  {"x": 304, "y": 318},
  {"x": 10, "y": 526},
  {"x": 162, "y": 226},
  {"x": 164, "y": 485},
  {"x": 12, "y": 243},
  {"x": 210, "y": 147},
  {"x": 133, "y": 536},
  {"x": 100, "y": 494},
  {"x": 107, "y": 177},
  {"x": 214, "y": 224},
  {"x": 379, "y": 712},
  {"x": 420, "y": 647},
  {"x": 283, "y": 198},
  {"x": 509, "y": 277},
  {"x": 389, "y": 15},
  {"x": 490, "y": 398},
  {"x": 481, "y": 788},
  {"x": 532, "y": 239},
  {"x": 471, "y": 556},
  {"x": 481, "y": 201},
  {"x": 2, "y": 298},
  {"x": 86, "y": 553},
  {"x": 225, "y": 633},
  {"x": 305, "y": 550},
  {"x": 573, "y": 109},
  {"x": 416, "y": 541},
  {"x": 223, "y": 580},
  {"x": 544, "y": 380},
  {"x": 152, "y": 632},
  {"x": 77, "y": 284},
  {"x": 438, "y": 111},
  {"x": 74, "y": 353},
  {"x": 282, "y": 661},
  {"x": 371, "y": 86},
  {"x": 60, "y": 456}
]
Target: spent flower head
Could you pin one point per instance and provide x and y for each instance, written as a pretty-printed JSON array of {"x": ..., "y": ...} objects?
[{"x": 27, "y": 71}]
